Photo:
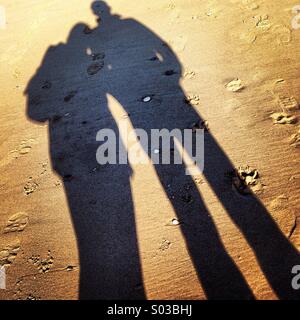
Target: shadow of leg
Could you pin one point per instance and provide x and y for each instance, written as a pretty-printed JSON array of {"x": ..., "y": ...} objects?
[
  {"x": 275, "y": 254},
  {"x": 217, "y": 272}
]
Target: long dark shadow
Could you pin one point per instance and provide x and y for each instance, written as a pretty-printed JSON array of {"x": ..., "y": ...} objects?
[{"x": 123, "y": 58}]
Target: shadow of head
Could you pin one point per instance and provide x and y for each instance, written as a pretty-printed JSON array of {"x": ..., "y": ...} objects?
[{"x": 100, "y": 8}]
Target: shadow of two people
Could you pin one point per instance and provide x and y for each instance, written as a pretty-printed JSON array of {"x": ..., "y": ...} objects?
[{"x": 123, "y": 58}]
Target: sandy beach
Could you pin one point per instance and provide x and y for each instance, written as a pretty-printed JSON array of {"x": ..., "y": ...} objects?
[{"x": 71, "y": 228}]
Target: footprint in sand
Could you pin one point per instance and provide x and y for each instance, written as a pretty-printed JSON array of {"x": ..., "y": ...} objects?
[
  {"x": 25, "y": 146},
  {"x": 245, "y": 180},
  {"x": 279, "y": 203},
  {"x": 282, "y": 33},
  {"x": 165, "y": 245},
  {"x": 17, "y": 222},
  {"x": 43, "y": 265},
  {"x": 285, "y": 218},
  {"x": 30, "y": 187},
  {"x": 288, "y": 103},
  {"x": 9, "y": 253},
  {"x": 25, "y": 149}
]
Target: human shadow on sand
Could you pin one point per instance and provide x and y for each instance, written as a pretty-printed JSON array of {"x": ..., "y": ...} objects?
[{"x": 123, "y": 58}]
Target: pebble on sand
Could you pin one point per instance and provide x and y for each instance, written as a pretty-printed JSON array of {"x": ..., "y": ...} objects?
[
  {"x": 146, "y": 99},
  {"x": 175, "y": 222}
]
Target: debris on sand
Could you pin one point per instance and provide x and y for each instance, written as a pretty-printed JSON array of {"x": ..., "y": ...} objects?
[
  {"x": 32, "y": 297},
  {"x": 244, "y": 179},
  {"x": 200, "y": 125},
  {"x": 192, "y": 99},
  {"x": 70, "y": 95},
  {"x": 16, "y": 222},
  {"x": 198, "y": 180},
  {"x": 283, "y": 118},
  {"x": 235, "y": 85},
  {"x": 189, "y": 74},
  {"x": 170, "y": 72},
  {"x": 70, "y": 268},
  {"x": 95, "y": 67},
  {"x": 262, "y": 22},
  {"x": 295, "y": 139},
  {"x": 279, "y": 81}
]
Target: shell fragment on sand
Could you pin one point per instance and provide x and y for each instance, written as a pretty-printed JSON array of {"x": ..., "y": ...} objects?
[{"x": 235, "y": 85}]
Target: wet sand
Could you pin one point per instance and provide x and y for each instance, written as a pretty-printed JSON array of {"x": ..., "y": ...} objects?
[{"x": 71, "y": 229}]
